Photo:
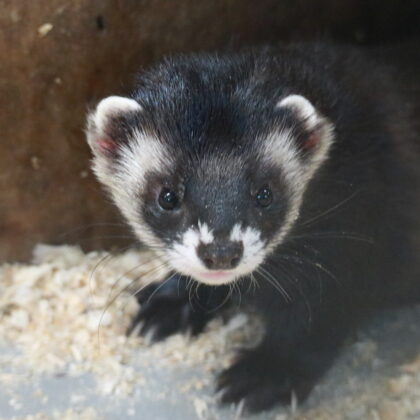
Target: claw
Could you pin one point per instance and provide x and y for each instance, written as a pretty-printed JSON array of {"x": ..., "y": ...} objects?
[
  {"x": 293, "y": 402},
  {"x": 149, "y": 336},
  {"x": 240, "y": 409},
  {"x": 258, "y": 381},
  {"x": 135, "y": 328}
]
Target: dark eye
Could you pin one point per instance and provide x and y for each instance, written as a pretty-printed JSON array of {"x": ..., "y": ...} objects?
[
  {"x": 168, "y": 200},
  {"x": 264, "y": 197}
]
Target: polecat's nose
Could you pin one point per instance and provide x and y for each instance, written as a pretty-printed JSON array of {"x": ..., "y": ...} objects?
[{"x": 224, "y": 256}]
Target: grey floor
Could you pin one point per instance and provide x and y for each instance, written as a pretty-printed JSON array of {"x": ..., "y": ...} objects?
[{"x": 374, "y": 356}]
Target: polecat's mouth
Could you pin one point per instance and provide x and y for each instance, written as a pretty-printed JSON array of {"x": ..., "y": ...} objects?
[
  {"x": 216, "y": 274},
  {"x": 215, "y": 277}
]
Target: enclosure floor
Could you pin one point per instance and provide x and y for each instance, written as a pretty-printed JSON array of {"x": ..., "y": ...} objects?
[{"x": 62, "y": 356}]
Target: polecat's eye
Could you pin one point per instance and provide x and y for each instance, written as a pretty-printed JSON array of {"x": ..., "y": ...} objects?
[
  {"x": 168, "y": 200},
  {"x": 264, "y": 197}
]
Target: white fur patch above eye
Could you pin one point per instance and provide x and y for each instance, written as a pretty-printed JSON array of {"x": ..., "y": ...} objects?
[
  {"x": 281, "y": 149},
  {"x": 141, "y": 154},
  {"x": 127, "y": 178}
]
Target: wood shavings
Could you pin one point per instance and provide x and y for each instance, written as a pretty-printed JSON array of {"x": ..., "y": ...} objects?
[
  {"x": 392, "y": 410},
  {"x": 58, "y": 311},
  {"x": 399, "y": 386}
]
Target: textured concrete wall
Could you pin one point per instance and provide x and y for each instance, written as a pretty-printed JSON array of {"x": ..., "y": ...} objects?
[{"x": 57, "y": 57}]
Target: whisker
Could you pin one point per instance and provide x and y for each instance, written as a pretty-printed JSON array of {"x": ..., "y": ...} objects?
[
  {"x": 123, "y": 290},
  {"x": 159, "y": 266},
  {"x": 236, "y": 285},
  {"x": 330, "y": 210},
  {"x": 254, "y": 282},
  {"x": 198, "y": 284},
  {"x": 159, "y": 287},
  {"x": 317, "y": 265},
  {"x": 299, "y": 287},
  {"x": 88, "y": 226},
  {"x": 337, "y": 235},
  {"x": 268, "y": 276},
  {"x": 108, "y": 257},
  {"x": 102, "y": 237},
  {"x": 143, "y": 286},
  {"x": 225, "y": 300},
  {"x": 190, "y": 286}
]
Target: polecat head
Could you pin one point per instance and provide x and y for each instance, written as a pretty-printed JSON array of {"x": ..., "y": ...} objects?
[{"x": 208, "y": 163}]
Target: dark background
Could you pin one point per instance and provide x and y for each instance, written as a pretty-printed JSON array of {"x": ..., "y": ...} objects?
[{"x": 48, "y": 79}]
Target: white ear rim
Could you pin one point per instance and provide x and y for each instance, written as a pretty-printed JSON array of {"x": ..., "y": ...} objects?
[
  {"x": 304, "y": 109},
  {"x": 110, "y": 106}
]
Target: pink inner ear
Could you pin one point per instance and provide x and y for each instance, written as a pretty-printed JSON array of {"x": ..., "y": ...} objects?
[
  {"x": 106, "y": 144},
  {"x": 311, "y": 141}
]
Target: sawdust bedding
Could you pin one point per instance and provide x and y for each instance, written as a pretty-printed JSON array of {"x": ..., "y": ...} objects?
[{"x": 67, "y": 313}]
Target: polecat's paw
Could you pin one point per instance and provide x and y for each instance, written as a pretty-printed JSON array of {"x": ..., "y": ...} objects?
[
  {"x": 165, "y": 312},
  {"x": 261, "y": 382}
]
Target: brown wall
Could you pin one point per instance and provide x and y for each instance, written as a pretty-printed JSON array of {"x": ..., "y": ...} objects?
[{"x": 93, "y": 48}]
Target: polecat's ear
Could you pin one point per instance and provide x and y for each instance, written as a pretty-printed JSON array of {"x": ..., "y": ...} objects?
[
  {"x": 316, "y": 129},
  {"x": 108, "y": 123}
]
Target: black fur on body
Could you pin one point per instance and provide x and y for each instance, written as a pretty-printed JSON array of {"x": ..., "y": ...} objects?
[{"x": 353, "y": 249}]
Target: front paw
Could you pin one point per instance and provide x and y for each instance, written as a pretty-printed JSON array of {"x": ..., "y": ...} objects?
[
  {"x": 260, "y": 381},
  {"x": 166, "y": 310}
]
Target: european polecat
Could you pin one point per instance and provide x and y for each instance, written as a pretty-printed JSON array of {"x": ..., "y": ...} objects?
[{"x": 294, "y": 168}]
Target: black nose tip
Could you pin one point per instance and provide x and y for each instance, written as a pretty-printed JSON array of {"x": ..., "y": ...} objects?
[{"x": 221, "y": 256}]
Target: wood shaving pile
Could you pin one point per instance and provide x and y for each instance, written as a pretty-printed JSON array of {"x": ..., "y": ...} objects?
[
  {"x": 59, "y": 313},
  {"x": 67, "y": 314}
]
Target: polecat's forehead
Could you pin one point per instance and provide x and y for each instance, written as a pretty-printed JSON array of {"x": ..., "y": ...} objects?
[
  {"x": 208, "y": 102},
  {"x": 227, "y": 129}
]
